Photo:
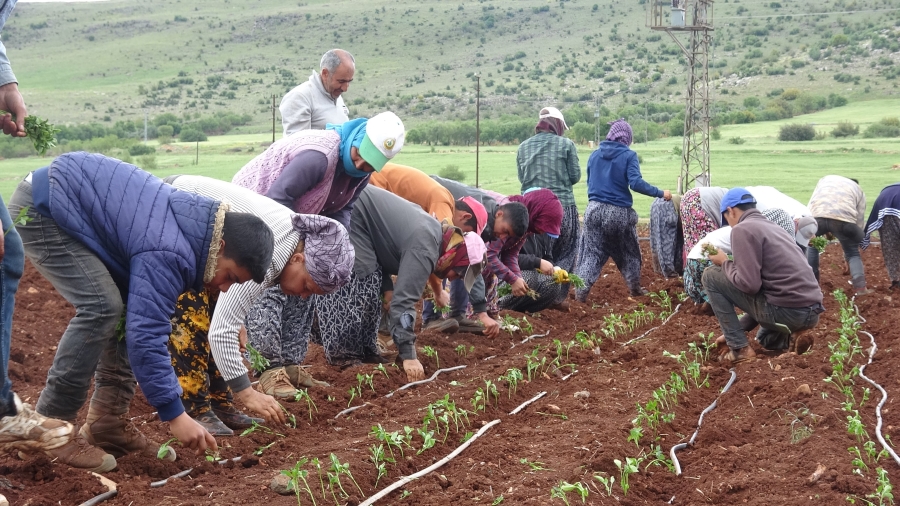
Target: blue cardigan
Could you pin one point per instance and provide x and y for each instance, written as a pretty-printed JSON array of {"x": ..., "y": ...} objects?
[
  {"x": 153, "y": 239},
  {"x": 611, "y": 171}
]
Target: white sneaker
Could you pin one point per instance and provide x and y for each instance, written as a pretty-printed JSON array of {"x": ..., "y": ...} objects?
[{"x": 30, "y": 431}]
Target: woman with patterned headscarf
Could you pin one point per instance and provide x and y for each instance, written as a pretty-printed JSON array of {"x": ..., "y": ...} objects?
[
  {"x": 391, "y": 237},
  {"x": 312, "y": 172},
  {"x": 610, "y": 223}
]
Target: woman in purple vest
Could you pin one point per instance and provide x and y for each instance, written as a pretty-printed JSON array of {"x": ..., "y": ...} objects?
[{"x": 312, "y": 172}]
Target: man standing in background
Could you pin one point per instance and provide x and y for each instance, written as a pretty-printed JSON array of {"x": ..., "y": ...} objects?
[{"x": 318, "y": 101}]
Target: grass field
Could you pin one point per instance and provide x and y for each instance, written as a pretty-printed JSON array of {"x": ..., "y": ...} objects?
[{"x": 793, "y": 167}]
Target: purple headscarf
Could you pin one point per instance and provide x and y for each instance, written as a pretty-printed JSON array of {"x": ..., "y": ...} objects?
[
  {"x": 329, "y": 254},
  {"x": 620, "y": 131}
]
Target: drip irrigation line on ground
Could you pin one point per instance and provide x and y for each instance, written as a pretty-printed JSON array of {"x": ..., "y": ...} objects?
[
  {"x": 100, "y": 498},
  {"x": 699, "y": 424},
  {"x": 880, "y": 421},
  {"x": 529, "y": 338},
  {"x": 433, "y": 376},
  {"x": 424, "y": 472},
  {"x": 638, "y": 338},
  {"x": 526, "y": 403},
  {"x": 182, "y": 474}
]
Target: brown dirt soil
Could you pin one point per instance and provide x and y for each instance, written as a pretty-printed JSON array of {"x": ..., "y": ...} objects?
[{"x": 743, "y": 454}]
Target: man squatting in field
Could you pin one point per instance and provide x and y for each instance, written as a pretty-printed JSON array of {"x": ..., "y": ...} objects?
[{"x": 768, "y": 278}]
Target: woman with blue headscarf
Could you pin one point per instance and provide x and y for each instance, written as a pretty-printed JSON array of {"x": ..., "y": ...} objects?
[{"x": 312, "y": 172}]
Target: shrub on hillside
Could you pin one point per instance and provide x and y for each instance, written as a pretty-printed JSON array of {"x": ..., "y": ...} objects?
[
  {"x": 736, "y": 140},
  {"x": 845, "y": 129},
  {"x": 191, "y": 135},
  {"x": 797, "y": 132},
  {"x": 141, "y": 149},
  {"x": 452, "y": 172},
  {"x": 887, "y": 127}
]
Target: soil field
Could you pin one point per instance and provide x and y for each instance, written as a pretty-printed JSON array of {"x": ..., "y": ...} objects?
[{"x": 775, "y": 426}]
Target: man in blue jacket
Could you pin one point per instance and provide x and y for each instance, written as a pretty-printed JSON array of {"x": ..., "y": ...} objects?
[{"x": 111, "y": 237}]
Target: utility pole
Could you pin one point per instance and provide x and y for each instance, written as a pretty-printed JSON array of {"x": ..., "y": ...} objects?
[
  {"x": 477, "y": 124},
  {"x": 597, "y": 121},
  {"x": 273, "y": 119},
  {"x": 696, "y": 18},
  {"x": 145, "y": 125}
]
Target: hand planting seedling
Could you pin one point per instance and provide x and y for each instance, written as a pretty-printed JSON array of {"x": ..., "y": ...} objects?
[
  {"x": 40, "y": 131},
  {"x": 164, "y": 448},
  {"x": 432, "y": 353},
  {"x": 444, "y": 310},
  {"x": 212, "y": 456}
]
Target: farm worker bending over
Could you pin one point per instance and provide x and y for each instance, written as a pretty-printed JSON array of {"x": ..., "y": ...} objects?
[
  {"x": 391, "y": 237},
  {"x": 312, "y": 172},
  {"x": 317, "y": 102},
  {"x": 108, "y": 236},
  {"x": 839, "y": 206},
  {"x": 805, "y": 225},
  {"x": 885, "y": 217},
  {"x": 205, "y": 394},
  {"x": 666, "y": 236},
  {"x": 700, "y": 214},
  {"x": 549, "y": 160},
  {"x": 768, "y": 278},
  {"x": 20, "y": 426},
  {"x": 538, "y": 271},
  {"x": 507, "y": 222},
  {"x": 609, "y": 221},
  {"x": 467, "y": 214},
  {"x": 312, "y": 255}
]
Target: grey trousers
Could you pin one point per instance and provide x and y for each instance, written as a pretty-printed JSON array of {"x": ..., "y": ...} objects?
[
  {"x": 88, "y": 347},
  {"x": 724, "y": 296}
]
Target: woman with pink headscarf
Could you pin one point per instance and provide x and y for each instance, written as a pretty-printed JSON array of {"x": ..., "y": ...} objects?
[{"x": 610, "y": 223}]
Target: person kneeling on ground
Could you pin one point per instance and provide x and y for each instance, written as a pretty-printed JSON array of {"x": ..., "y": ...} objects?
[
  {"x": 106, "y": 233},
  {"x": 313, "y": 256},
  {"x": 391, "y": 237},
  {"x": 768, "y": 278},
  {"x": 538, "y": 271},
  {"x": 205, "y": 394}
]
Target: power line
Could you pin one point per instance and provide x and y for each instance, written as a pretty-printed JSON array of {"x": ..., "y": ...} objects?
[{"x": 782, "y": 15}]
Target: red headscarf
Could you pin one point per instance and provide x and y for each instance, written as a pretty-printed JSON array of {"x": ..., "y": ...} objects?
[
  {"x": 545, "y": 213},
  {"x": 552, "y": 125}
]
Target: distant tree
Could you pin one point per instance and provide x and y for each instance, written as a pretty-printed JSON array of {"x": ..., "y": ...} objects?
[
  {"x": 751, "y": 102},
  {"x": 452, "y": 172},
  {"x": 845, "y": 129},
  {"x": 796, "y": 132},
  {"x": 191, "y": 135}
]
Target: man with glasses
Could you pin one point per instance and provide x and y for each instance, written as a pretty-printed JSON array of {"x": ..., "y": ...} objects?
[{"x": 318, "y": 101}]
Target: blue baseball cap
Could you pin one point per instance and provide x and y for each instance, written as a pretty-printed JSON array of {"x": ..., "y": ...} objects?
[{"x": 735, "y": 197}]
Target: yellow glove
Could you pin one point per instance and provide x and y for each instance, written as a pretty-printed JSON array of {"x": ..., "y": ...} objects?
[{"x": 560, "y": 276}]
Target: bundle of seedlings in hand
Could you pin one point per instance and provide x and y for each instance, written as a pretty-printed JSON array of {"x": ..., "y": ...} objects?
[
  {"x": 819, "y": 243},
  {"x": 40, "y": 131},
  {"x": 709, "y": 250}
]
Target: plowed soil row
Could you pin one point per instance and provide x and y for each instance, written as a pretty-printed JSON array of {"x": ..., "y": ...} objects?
[{"x": 743, "y": 453}]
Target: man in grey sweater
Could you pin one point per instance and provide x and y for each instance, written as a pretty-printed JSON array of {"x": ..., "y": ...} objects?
[
  {"x": 768, "y": 278},
  {"x": 317, "y": 102}
]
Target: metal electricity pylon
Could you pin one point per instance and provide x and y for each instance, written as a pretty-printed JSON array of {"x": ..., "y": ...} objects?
[{"x": 694, "y": 17}]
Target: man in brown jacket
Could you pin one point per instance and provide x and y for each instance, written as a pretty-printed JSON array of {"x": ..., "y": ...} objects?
[{"x": 768, "y": 278}]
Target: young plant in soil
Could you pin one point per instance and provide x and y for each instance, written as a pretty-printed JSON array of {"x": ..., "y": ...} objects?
[
  {"x": 462, "y": 351},
  {"x": 626, "y": 469},
  {"x": 526, "y": 326},
  {"x": 432, "y": 353},
  {"x": 298, "y": 474},
  {"x": 366, "y": 379},
  {"x": 391, "y": 439},
  {"x": 563, "y": 488},
  {"x": 535, "y": 466},
  {"x": 164, "y": 448},
  {"x": 662, "y": 300},
  {"x": 343, "y": 469},
  {"x": 510, "y": 323},
  {"x": 490, "y": 389},
  {"x": 587, "y": 342},
  {"x": 497, "y": 500},
  {"x": 318, "y": 465},
  {"x": 258, "y": 362},
  {"x": 259, "y": 427},
  {"x": 379, "y": 460},
  {"x": 380, "y": 368},
  {"x": 292, "y": 420},
  {"x": 478, "y": 400},
  {"x": 259, "y": 451},
  {"x": 512, "y": 377},
  {"x": 303, "y": 395},
  {"x": 607, "y": 483},
  {"x": 635, "y": 435},
  {"x": 799, "y": 429},
  {"x": 354, "y": 392},
  {"x": 428, "y": 440},
  {"x": 561, "y": 416}
]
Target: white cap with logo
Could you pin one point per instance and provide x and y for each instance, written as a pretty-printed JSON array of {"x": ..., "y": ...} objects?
[
  {"x": 553, "y": 112},
  {"x": 384, "y": 139}
]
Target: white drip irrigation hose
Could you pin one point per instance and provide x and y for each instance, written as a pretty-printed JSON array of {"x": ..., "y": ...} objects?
[
  {"x": 425, "y": 472},
  {"x": 529, "y": 338},
  {"x": 879, "y": 422},
  {"x": 182, "y": 474},
  {"x": 526, "y": 403},
  {"x": 638, "y": 338},
  {"x": 699, "y": 424},
  {"x": 433, "y": 376}
]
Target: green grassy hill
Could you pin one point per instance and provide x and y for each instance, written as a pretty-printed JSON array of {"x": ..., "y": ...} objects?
[{"x": 106, "y": 61}]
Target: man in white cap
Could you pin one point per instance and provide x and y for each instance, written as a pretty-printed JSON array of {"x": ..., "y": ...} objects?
[
  {"x": 549, "y": 160},
  {"x": 317, "y": 102}
]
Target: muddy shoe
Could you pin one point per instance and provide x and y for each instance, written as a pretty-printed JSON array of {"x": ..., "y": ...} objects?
[
  {"x": 29, "y": 431},
  {"x": 118, "y": 436},
  {"x": 448, "y": 326},
  {"x": 640, "y": 292},
  {"x": 277, "y": 383},
  {"x": 213, "y": 425},
  {"x": 80, "y": 454},
  {"x": 469, "y": 326},
  {"x": 235, "y": 419},
  {"x": 301, "y": 378}
]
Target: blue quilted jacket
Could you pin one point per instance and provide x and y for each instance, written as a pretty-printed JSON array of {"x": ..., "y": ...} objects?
[{"x": 153, "y": 239}]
